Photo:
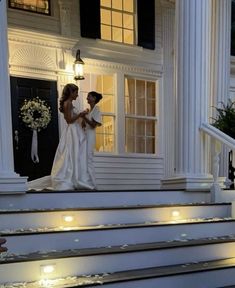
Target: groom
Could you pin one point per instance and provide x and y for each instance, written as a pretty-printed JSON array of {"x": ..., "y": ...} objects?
[{"x": 2, "y": 241}]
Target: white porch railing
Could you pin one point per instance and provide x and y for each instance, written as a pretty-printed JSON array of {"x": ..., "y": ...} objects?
[{"x": 217, "y": 139}]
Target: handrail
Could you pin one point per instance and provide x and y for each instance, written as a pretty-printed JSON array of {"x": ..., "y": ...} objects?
[
  {"x": 218, "y": 138},
  {"x": 218, "y": 135}
]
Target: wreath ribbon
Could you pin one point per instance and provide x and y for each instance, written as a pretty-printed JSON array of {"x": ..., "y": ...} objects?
[{"x": 34, "y": 147}]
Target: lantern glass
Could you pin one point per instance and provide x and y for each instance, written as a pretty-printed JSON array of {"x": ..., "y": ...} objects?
[
  {"x": 78, "y": 67},
  {"x": 78, "y": 71}
]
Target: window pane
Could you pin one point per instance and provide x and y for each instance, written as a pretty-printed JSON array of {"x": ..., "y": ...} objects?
[
  {"x": 105, "y": 135},
  {"x": 105, "y": 17},
  {"x": 117, "y": 4},
  {"x": 150, "y": 127},
  {"x": 117, "y": 34},
  {"x": 140, "y": 145},
  {"x": 117, "y": 19},
  {"x": 150, "y": 145},
  {"x": 128, "y": 37},
  {"x": 130, "y": 126},
  {"x": 129, "y": 96},
  {"x": 130, "y": 144},
  {"x": 140, "y": 97},
  {"x": 130, "y": 132},
  {"x": 106, "y": 3},
  {"x": 107, "y": 104},
  {"x": 151, "y": 99},
  {"x": 140, "y": 127},
  {"x": 106, "y": 32},
  {"x": 128, "y": 21},
  {"x": 128, "y": 6}
]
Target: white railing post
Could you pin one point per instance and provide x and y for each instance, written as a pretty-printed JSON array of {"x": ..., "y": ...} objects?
[{"x": 215, "y": 187}]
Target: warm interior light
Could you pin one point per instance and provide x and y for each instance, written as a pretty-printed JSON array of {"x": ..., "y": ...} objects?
[
  {"x": 68, "y": 218},
  {"x": 78, "y": 67}
]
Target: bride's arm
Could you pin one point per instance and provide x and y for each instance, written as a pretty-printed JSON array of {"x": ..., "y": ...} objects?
[{"x": 68, "y": 115}]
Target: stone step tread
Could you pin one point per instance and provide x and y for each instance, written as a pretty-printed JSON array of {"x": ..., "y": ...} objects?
[
  {"x": 8, "y": 257},
  {"x": 64, "y": 229},
  {"x": 130, "y": 275},
  {"x": 121, "y": 207},
  {"x": 81, "y": 191}
]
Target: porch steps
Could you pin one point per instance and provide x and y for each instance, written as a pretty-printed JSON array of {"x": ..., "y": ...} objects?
[
  {"x": 205, "y": 274},
  {"x": 126, "y": 256},
  {"x": 46, "y": 239},
  {"x": 94, "y": 216},
  {"x": 125, "y": 244},
  {"x": 74, "y": 199}
]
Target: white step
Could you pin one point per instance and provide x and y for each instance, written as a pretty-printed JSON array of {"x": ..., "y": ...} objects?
[
  {"x": 110, "y": 215},
  {"x": 91, "y": 237},
  {"x": 108, "y": 234},
  {"x": 73, "y": 199},
  {"x": 214, "y": 274},
  {"x": 111, "y": 260}
]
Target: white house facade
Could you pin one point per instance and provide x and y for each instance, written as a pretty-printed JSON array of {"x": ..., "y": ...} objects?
[
  {"x": 158, "y": 95},
  {"x": 161, "y": 216}
]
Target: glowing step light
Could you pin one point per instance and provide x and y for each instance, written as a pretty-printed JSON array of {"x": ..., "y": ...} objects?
[
  {"x": 68, "y": 218},
  {"x": 175, "y": 213},
  {"x": 48, "y": 270}
]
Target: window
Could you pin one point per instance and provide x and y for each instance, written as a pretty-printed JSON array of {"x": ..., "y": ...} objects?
[
  {"x": 38, "y": 6},
  {"x": 117, "y": 20},
  {"x": 140, "y": 116},
  {"x": 103, "y": 84}
]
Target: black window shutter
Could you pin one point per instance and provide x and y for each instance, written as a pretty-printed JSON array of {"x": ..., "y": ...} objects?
[
  {"x": 90, "y": 18},
  {"x": 146, "y": 23}
]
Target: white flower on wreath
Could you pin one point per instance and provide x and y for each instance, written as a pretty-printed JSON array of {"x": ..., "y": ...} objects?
[{"x": 35, "y": 114}]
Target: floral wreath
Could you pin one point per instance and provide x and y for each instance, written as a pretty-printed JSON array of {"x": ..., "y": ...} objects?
[{"x": 35, "y": 114}]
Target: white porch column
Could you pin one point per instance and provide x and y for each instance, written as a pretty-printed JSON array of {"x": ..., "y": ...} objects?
[
  {"x": 9, "y": 180},
  {"x": 220, "y": 63},
  {"x": 168, "y": 24},
  {"x": 220, "y": 57},
  {"x": 192, "y": 78}
]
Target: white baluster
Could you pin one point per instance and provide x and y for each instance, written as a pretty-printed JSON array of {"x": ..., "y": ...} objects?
[{"x": 215, "y": 187}]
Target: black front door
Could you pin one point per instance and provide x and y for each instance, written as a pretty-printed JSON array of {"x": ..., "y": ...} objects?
[{"x": 25, "y": 89}]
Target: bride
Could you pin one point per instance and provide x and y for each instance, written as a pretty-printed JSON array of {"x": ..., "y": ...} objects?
[{"x": 69, "y": 170}]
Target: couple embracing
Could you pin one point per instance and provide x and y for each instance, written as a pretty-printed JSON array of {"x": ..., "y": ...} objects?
[{"x": 73, "y": 163}]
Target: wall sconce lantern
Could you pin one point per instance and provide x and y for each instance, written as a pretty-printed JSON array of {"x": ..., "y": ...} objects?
[{"x": 78, "y": 67}]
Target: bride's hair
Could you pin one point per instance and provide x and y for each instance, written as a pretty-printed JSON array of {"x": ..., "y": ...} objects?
[{"x": 67, "y": 91}]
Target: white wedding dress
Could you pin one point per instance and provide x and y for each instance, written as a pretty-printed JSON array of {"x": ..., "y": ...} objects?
[
  {"x": 70, "y": 166},
  {"x": 94, "y": 114}
]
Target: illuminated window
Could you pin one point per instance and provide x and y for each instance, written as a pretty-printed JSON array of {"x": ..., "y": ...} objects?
[
  {"x": 38, "y": 6},
  {"x": 117, "y": 21},
  {"x": 104, "y": 84},
  {"x": 140, "y": 116}
]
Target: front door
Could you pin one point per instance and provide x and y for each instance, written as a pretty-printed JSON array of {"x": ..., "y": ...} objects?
[{"x": 47, "y": 139}]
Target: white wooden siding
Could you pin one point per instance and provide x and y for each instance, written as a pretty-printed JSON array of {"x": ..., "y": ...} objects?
[{"x": 127, "y": 172}]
